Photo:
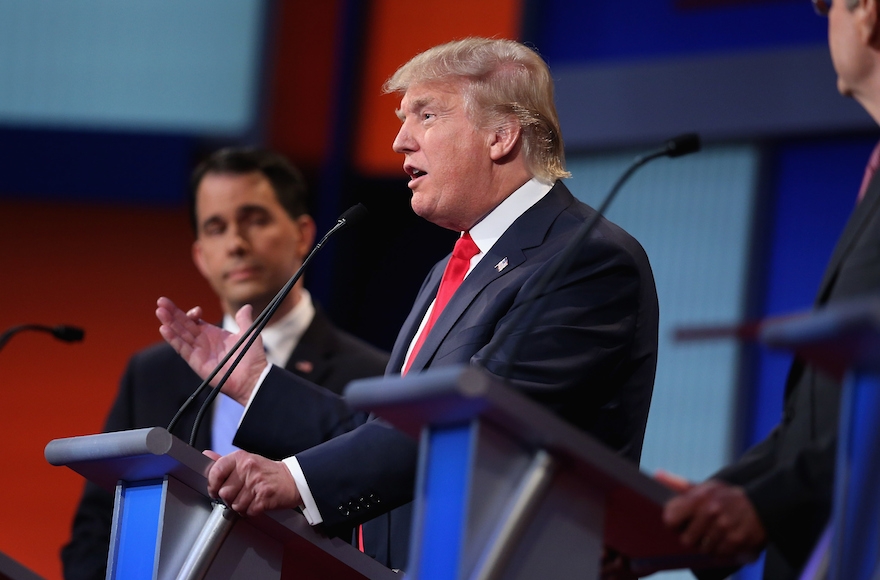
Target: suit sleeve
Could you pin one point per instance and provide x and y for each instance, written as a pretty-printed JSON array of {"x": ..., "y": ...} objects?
[
  {"x": 357, "y": 456},
  {"x": 289, "y": 415}
]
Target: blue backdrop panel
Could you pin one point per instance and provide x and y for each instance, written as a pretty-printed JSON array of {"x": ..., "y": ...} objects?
[
  {"x": 95, "y": 166},
  {"x": 575, "y": 31}
]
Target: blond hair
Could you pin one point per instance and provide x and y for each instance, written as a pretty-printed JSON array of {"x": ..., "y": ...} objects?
[{"x": 501, "y": 78}]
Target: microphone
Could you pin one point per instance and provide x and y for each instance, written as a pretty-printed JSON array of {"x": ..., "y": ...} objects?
[
  {"x": 682, "y": 145},
  {"x": 61, "y": 332},
  {"x": 352, "y": 215},
  {"x": 675, "y": 147}
]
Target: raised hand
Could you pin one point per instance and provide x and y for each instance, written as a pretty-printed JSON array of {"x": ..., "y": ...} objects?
[{"x": 203, "y": 346}]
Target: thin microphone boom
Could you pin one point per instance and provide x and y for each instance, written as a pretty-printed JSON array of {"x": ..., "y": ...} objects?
[
  {"x": 61, "y": 332},
  {"x": 676, "y": 147},
  {"x": 350, "y": 216}
]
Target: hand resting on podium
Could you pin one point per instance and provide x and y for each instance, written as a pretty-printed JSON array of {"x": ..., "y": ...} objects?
[
  {"x": 713, "y": 517},
  {"x": 251, "y": 484}
]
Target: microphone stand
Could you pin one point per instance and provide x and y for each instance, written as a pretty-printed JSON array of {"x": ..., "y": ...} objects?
[{"x": 350, "y": 216}]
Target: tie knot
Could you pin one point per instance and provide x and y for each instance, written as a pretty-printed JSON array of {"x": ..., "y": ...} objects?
[{"x": 465, "y": 248}]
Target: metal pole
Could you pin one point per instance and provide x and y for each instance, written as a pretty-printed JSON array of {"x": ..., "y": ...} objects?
[
  {"x": 208, "y": 543},
  {"x": 525, "y": 501}
]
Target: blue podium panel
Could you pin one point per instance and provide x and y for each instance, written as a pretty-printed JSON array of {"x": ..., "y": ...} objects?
[
  {"x": 135, "y": 545},
  {"x": 445, "y": 491},
  {"x": 857, "y": 481}
]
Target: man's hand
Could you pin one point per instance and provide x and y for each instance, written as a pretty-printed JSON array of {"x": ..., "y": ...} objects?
[
  {"x": 204, "y": 345},
  {"x": 251, "y": 484},
  {"x": 676, "y": 483},
  {"x": 717, "y": 519}
]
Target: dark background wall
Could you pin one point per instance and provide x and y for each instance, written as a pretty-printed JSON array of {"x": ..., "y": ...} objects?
[{"x": 93, "y": 220}]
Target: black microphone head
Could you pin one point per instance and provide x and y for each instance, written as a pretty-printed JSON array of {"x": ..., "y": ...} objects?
[
  {"x": 68, "y": 333},
  {"x": 683, "y": 145},
  {"x": 353, "y": 214}
]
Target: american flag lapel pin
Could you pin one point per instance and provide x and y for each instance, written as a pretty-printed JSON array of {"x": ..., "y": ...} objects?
[{"x": 501, "y": 265}]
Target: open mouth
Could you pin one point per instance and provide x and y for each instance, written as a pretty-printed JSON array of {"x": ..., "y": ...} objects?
[{"x": 414, "y": 172}]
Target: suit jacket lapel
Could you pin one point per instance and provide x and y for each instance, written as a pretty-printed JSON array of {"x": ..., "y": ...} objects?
[
  {"x": 310, "y": 358},
  {"x": 417, "y": 312},
  {"x": 856, "y": 224},
  {"x": 528, "y": 231}
]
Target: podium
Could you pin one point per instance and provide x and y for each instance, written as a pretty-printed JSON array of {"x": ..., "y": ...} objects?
[
  {"x": 508, "y": 490},
  {"x": 166, "y": 527},
  {"x": 844, "y": 339}
]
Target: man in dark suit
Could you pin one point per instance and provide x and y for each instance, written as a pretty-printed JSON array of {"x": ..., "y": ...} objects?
[
  {"x": 248, "y": 210},
  {"x": 778, "y": 495},
  {"x": 482, "y": 146}
]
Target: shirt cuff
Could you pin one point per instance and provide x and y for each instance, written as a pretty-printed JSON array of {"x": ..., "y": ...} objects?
[
  {"x": 256, "y": 388},
  {"x": 309, "y": 507}
]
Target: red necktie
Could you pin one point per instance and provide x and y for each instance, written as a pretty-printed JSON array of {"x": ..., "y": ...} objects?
[
  {"x": 456, "y": 268},
  {"x": 870, "y": 170}
]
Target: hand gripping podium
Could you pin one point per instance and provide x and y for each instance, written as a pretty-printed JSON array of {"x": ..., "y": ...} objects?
[
  {"x": 166, "y": 527},
  {"x": 844, "y": 339},
  {"x": 508, "y": 490}
]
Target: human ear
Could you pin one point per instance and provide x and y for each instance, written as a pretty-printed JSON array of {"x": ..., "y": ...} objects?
[
  {"x": 867, "y": 22},
  {"x": 199, "y": 259},
  {"x": 307, "y": 229},
  {"x": 505, "y": 138}
]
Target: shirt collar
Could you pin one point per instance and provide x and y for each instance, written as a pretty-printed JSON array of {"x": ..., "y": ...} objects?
[
  {"x": 487, "y": 231},
  {"x": 281, "y": 336}
]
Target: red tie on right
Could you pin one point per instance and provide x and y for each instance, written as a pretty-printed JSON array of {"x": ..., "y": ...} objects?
[
  {"x": 870, "y": 170},
  {"x": 456, "y": 268}
]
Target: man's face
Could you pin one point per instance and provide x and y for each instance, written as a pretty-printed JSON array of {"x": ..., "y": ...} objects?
[
  {"x": 447, "y": 157},
  {"x": 247, "y": 245},
  {"x": 848, "y": 52}
]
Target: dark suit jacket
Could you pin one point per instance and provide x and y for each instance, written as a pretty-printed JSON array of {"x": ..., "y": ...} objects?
[
  {"x": 156, "y": 383},
  {"x": 590, "y": 357},
  {"x": 789, "y": 476}
]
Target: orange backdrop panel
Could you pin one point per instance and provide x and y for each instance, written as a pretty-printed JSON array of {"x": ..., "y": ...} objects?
[
  {"x": 301, "y": 92},
  {"x": 100, "y": 268},
  {"x": 398, "y": 30}
]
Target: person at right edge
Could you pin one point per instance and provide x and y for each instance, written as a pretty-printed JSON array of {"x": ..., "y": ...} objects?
[{"x": 778, "y": 496}]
